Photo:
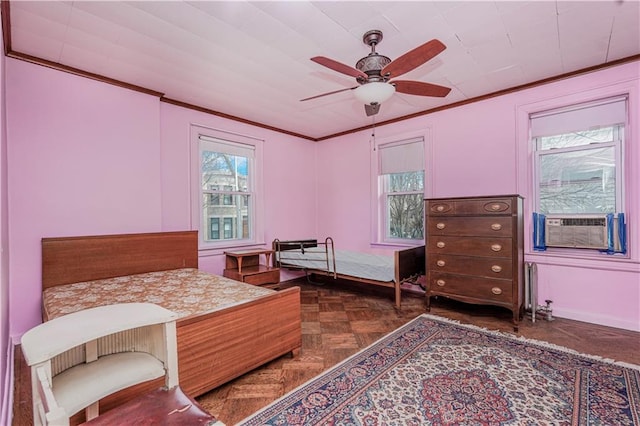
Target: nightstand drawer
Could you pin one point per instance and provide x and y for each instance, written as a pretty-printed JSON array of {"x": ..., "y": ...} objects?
[
  {"x": 256, "y": 275},
  {"x": 466, "y": 265},
  {"x": 476, "y": 288},
  {"x": 267, "y": 277}
]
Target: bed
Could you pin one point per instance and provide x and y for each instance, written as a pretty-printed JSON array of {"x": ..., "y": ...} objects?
[
  {"x": 225, "y": 328},
  {"x": 315, "y": 257}
]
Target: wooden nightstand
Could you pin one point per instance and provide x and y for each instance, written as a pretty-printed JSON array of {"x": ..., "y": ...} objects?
[{"x": 245, "y": 266}]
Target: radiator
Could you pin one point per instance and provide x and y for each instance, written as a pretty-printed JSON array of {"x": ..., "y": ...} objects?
[
  {"x": 531, "y": 289},
  {"x": 531, "y": 305}
]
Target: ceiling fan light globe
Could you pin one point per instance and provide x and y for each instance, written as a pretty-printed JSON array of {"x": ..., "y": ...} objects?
[{"x": 374, "y": 92}]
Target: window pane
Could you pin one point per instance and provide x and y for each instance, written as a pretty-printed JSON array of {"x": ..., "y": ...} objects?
[
  {"x": 568, "y": 140},
  {"x": 228, "y": 228},
  {"x": 215, "y": 228},
  {"x": 214, "y": 199},
  {"x": 404, "y": 182},
  {"x": 405, "y": 216},
  {"x": 227, "y": 171},
  {"x": 581, "y": 181},
  {"x": 227, "y": 221}
]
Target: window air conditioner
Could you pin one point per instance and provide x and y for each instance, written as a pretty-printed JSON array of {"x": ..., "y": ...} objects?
[{"x": 585, "y": 231}]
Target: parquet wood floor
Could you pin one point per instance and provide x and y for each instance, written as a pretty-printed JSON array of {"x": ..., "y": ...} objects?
[{"x": 339, "y": 319}]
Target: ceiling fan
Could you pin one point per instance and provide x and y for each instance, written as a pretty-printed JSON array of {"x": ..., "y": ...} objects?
[{"x": 374, "y": 71}]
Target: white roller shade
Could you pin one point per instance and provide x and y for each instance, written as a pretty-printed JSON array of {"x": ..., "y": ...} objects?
[
  {"x": 403, "y": 156},
  {"x": 603, "y": 113},
  {"x": 227, "y": 147}
]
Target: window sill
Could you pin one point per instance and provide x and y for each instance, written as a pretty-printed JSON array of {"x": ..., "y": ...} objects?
[{"x": 574, "y": 258}]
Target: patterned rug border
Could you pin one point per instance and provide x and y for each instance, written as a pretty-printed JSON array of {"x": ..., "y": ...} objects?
[
  {"x": 534, "y": 342},
  {"x": 372, "y": 348}
]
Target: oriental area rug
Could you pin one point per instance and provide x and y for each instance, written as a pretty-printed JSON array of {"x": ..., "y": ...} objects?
[{"x": 434, "y": 371}]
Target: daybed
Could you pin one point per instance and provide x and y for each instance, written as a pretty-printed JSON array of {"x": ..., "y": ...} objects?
[
  {"x": 315, "y": 257},
  {"x": 225, "y": 328}
]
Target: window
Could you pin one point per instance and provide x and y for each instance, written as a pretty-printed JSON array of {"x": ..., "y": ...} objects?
[
  {"x": 228, "y": 228},
  {"x": 578, "y": 158},
  {"x": 401, "y": 190},
  {"x": 228, "y": 198},
  {"x": 226, "y": 175},
  {"x": 215, "y": 228},
  {"x": 214, "y": 199}
]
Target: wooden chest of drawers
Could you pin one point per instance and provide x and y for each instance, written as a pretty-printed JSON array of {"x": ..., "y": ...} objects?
[{"x": 475, "y": 251}]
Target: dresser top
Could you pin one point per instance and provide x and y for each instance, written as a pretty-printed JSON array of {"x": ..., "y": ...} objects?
[{"x": 475, "y": 197}]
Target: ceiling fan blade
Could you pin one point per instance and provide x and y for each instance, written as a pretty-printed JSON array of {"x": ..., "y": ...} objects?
[
  {"x": 328, "y": 93},
  {"x": 421, "y": 89},
  {"x": 340, "y": 67},
  {"x": 371, "y": 109},
  {"x": 414, "y": 58}
]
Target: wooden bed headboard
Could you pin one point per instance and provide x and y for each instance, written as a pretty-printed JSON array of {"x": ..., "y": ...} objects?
[
  {"x": 69, "y": 260},
  {"x": 293, "y": 244}
]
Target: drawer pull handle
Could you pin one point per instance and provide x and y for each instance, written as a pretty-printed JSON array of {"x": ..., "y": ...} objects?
[
  {"x": 440, "y": 208},
  {"x": 496, "y": 226},
  {"x": 495, "y": 207},
  {"x": 496, "y": 247},
  {"x": 440, "y": 263},
  {"x": 440, "y": 244},
  {"x": 496, "y": 290},
  {"x": 496, "y": 268},
  {"x": 441, "y": 283},
  {"x": 440, "y": 225}
]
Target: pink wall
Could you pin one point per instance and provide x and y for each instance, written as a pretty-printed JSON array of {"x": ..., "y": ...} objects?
[
  {"x": 478, "y": 149},
  {"x": 84, "y": 159},
  {"x": 344, "y": 205},
  {"x": 88, "y": 158}
]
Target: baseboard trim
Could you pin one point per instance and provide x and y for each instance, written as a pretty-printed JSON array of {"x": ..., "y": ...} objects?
[{"x": 597, "y": 319}]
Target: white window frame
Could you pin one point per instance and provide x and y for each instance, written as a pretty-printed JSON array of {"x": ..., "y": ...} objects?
[
  {"x": 525, "y": 174},
  {"x": 617, "y": 144},
  {"x": 255, "y": 215},
  {"x": 379, "y": 209}
]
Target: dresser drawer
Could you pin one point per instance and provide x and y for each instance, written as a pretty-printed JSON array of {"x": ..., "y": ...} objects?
[
  {"x": 472, "y": 246},
  {"x": 465, "y": 265},
  {"x": 473, "y": 226},
  {"x": 476, "y": 288},
  {"x": 471, "y": 206},
  {"x": 441, "y": 207}
]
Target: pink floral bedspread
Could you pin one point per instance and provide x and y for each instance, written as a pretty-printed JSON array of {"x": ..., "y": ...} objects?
[{"x": 184, "y": 291}]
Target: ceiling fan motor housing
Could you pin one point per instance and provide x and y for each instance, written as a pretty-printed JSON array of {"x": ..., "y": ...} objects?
[{"x": 373, "y": 63}]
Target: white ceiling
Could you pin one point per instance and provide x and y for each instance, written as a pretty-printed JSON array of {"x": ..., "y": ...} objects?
[{"x": 251, "y": 59}]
